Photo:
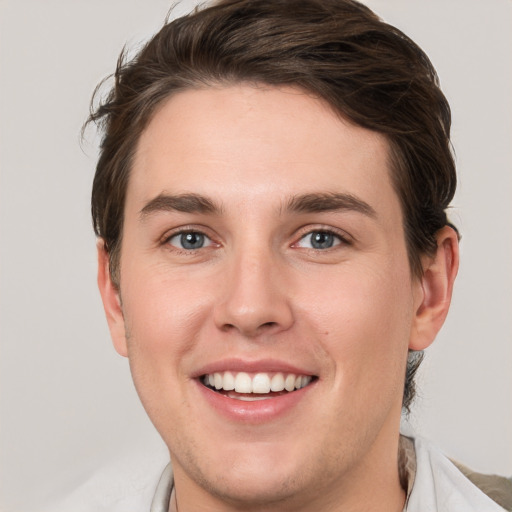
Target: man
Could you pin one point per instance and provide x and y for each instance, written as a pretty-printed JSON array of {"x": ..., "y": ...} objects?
[{"x": 274, "y": 255}]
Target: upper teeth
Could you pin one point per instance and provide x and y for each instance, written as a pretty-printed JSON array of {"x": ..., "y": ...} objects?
[{"x": 242, "y": 382}]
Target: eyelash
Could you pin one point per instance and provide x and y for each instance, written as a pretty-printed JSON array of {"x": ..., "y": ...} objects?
[
  {"x": 336, "y": 238},
  {"x": 187, "y": 231},
  {"x": 342, "y": 239}
]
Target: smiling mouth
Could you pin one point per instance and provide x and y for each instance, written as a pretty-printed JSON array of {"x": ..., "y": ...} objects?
[{"x": 252, "y": 387}]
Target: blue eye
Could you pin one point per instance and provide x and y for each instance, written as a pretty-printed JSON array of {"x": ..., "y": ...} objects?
[
  {"x": 190, "y": 240},
  {"x": 319, "y": 240}
]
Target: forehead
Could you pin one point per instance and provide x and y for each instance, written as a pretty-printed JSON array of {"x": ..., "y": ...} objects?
[{"x": 255, "y": 143}]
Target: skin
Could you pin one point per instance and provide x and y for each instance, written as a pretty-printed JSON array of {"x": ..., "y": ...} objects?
[{"x": 258, "y": 289}]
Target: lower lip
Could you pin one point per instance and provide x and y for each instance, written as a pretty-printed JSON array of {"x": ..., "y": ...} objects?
[{"x": 258, "y": 411}]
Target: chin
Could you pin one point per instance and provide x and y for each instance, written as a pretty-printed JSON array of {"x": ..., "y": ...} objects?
[
  {"x": 257, "y": 488},
  {"x": 261, "y": 477}
]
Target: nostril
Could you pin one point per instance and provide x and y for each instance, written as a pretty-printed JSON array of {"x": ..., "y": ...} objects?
[
  {"x": 267, "y": 327},
  {"x": 228, "y": 327}
]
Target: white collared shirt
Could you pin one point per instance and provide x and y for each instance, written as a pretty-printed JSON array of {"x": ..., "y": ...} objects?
[
  {"x": 440, "y": 487},
  {"x": 435, "y": 485}
]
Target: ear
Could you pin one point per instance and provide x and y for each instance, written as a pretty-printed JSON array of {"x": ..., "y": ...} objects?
[
  {"x": 436, "y": 286},
  {"x": 111, "y": 300}
]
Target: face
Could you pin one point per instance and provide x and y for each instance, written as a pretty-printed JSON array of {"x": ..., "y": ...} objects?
[{"x": 266, "y": 301}]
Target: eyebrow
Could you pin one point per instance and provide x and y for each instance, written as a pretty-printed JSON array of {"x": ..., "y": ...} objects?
[
  {"x": 329, "y": 202},
  {"x": 187, "y": 203},
  {"x": 304, "y": 203}
]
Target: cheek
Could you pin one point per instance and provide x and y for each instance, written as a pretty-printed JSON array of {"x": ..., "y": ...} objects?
[
  {"x": 357, "y": 300},
  {"x": 164, "y": 316},
  {"x": 364, "y": 321},
  {"x": 164, "y": 319}
]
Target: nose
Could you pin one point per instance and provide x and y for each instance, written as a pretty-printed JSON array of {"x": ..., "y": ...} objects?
[{"x": 254, "y": 299}]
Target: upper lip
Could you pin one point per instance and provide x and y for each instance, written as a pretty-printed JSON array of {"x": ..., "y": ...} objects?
[{"x": 250, "y": 366}]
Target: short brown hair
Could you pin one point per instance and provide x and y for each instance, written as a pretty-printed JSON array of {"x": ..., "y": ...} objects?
[{"x": 338, "y": 50}]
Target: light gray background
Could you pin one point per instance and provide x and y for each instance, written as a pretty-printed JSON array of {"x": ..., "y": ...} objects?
[{"x": 67, "y": 403}]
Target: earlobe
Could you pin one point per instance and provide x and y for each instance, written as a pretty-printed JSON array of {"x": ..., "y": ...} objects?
[
  {"x": 111, "y": 300},
  {"x": 439, "y": 274}
]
